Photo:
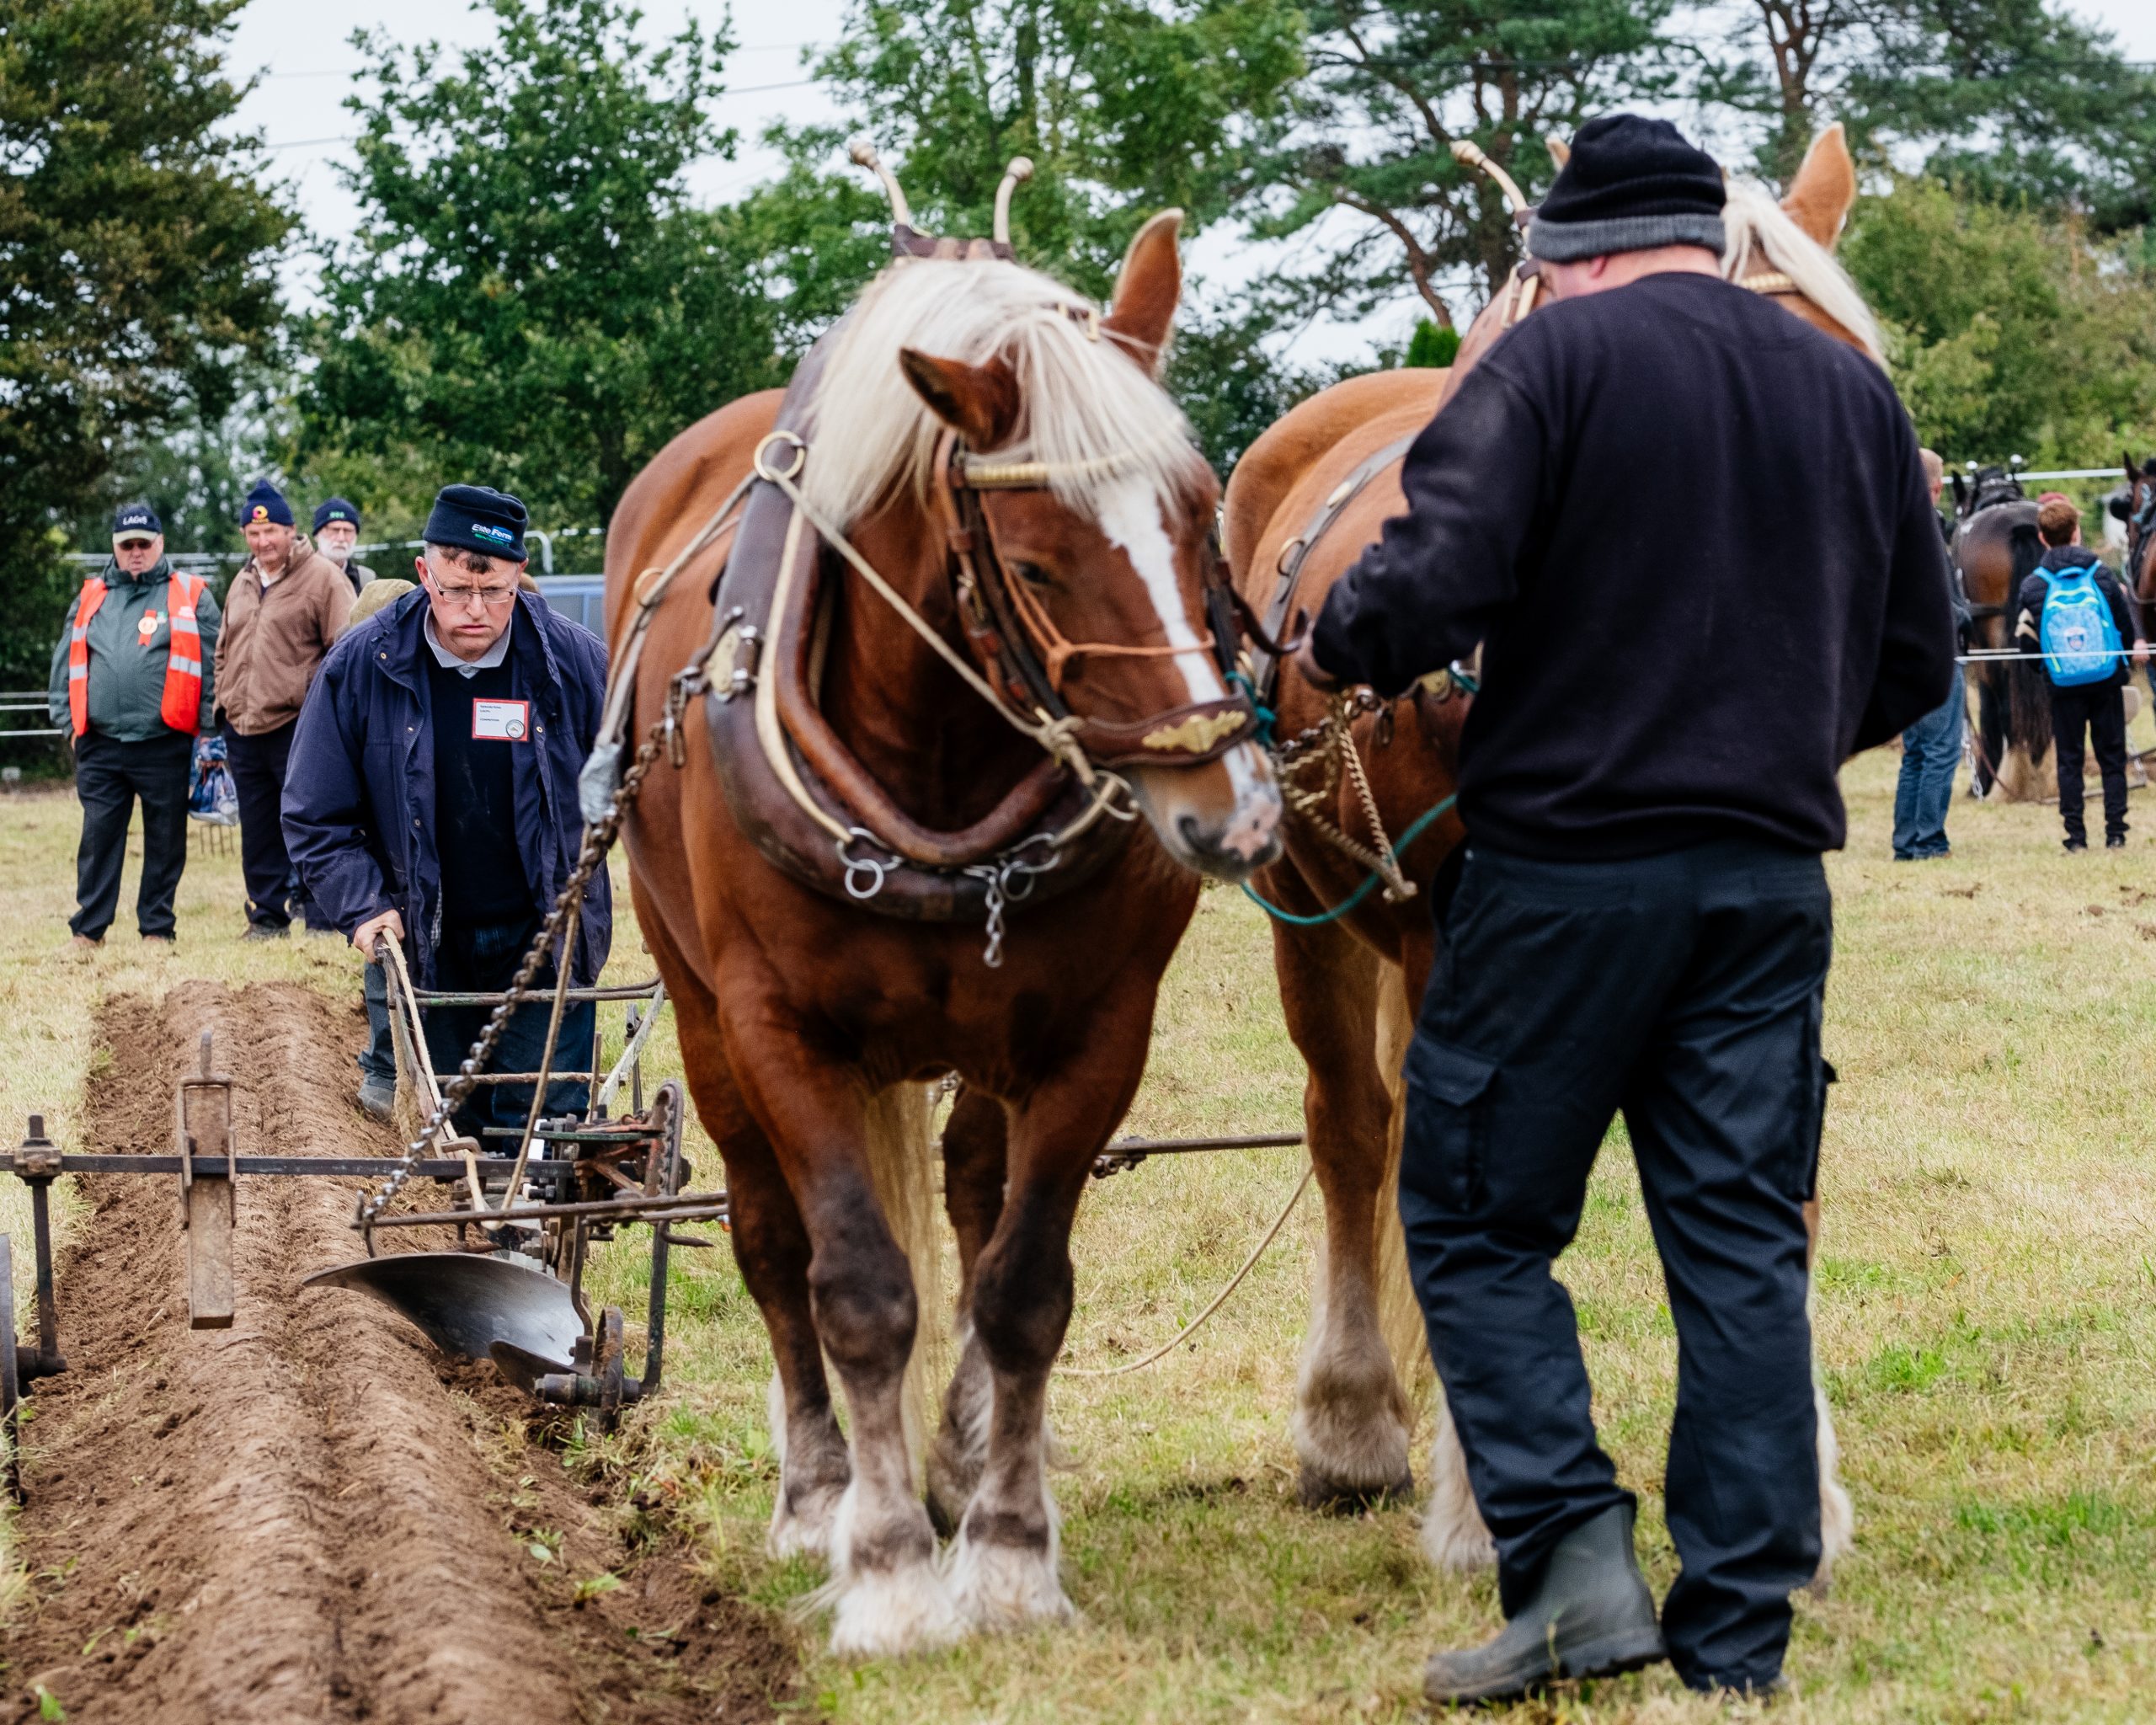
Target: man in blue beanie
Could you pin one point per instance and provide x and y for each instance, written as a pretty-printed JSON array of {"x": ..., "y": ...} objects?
[
  {"x": 285, "y": 607},
  {"x": 336, "y": 532},
  {"x": 432, "y": 795},
  {"x": 1668, "y": 489}
]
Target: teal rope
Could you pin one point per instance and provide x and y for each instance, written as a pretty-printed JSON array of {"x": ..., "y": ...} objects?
[{"x": 1362, "y": 892}]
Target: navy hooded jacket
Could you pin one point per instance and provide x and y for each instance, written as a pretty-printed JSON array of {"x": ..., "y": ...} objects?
[{"x": 359, "y": 809}]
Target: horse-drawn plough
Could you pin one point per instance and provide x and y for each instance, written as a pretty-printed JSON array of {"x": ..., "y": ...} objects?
[{"x": 512, "y": 1289}]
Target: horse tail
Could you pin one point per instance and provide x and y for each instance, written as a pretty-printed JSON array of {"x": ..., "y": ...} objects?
[
  {"x": 901, "y": 1164},
  {"x": 1399, "y": 1312},
  {"x": 2028, "y": 690}
]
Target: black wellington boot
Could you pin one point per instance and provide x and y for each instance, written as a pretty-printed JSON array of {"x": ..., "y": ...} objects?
[{"x": 1593, "y": 1617}]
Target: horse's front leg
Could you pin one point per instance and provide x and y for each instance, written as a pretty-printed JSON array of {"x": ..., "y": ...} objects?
[
  {"x": 1003, "y": 1570},
  {"x": 889, "y": 1596},
  {"x": 1352, "y": 1421}
]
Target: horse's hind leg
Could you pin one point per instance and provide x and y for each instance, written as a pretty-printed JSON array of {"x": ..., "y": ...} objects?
[
  {"x": 1351, "y": 1423},
  {"x": 973, "y": 1165},
  {"x": 771, "y": 1247}
]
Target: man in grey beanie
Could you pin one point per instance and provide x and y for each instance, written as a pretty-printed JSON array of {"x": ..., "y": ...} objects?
[{"x": 1693, "y": 537}]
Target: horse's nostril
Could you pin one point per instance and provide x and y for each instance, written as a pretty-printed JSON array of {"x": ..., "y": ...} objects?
[{"x": 1193, "y": 834}]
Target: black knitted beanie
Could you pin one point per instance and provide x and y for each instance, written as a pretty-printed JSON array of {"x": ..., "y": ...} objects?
[{"x": 1631, "y": 184}]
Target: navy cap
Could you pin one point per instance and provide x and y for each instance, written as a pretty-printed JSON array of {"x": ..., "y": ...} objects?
[
  {"x": 337, "y": 509},
  {"x": 478, "y": 518},
  {"x": 132, "y": 519},
  {"x": 265, "y": 503}
]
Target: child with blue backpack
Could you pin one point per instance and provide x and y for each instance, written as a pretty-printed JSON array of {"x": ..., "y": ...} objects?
[{"x": 2074, "y": 611}]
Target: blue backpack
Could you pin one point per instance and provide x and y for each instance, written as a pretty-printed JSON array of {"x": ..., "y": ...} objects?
[{"x": 2079, "y": 638}]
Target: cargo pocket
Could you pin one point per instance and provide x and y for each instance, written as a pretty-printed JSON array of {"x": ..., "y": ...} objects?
[
  {"x": 1814, "y": 1075},
  {"x": 1448, "y": 1121}
]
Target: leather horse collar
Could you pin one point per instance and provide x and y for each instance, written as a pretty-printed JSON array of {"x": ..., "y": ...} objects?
[{"x": 808, "y": 803}]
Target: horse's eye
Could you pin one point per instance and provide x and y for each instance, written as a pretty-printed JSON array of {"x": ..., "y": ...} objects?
[{"x": 1033, "y": 575}]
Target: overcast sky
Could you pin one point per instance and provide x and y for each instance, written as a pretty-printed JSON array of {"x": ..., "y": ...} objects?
[{"x": 308, "y": 67}]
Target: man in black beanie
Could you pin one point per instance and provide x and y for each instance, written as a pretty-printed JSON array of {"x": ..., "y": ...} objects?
[
  {"x": 1693, "y": 537},
  {"x": 432, "y": 795}
]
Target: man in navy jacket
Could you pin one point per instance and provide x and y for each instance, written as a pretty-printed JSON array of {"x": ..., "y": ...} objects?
[{"x": 432, "y": 792}]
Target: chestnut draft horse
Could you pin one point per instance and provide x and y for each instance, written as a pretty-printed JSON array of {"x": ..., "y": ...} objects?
[
  {"x": 1310, "y": 492},
  {"x": 972, "y": 604},
  {"x": 2138, "y": 510}
]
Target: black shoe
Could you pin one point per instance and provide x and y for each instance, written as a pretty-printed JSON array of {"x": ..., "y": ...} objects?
[
  {"x": 266, "y": 930},
  {"x": 377, "y": 1097},
  {"x": 1593, "y": 1617},
  {"x": 2075, "y": 847},
  {"x": 2116, "y": 842}
]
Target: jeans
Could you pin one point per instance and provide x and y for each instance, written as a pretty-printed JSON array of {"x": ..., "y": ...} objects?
[
  {"x": 483, "y": 959},
  {"x": 1684, "y": 990},
  {"x": 380, "y": 1058},
  {"x": 109, "y": 775},
  {"x": 1931, "y": 750}
]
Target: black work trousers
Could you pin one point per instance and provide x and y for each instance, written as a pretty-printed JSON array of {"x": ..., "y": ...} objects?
[
  {"x": 1684, "y": 990},
  {"x": 2098, "y": 709},
  {"x": 273, "y": 896},
  {"x": 483, "y": 959},
  {"x": 109, "y": 775}
]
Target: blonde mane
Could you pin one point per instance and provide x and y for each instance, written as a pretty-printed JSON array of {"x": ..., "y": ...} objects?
[
  {"x": 1090, "y": 413},
  {"x": 1763, "y": 237}
]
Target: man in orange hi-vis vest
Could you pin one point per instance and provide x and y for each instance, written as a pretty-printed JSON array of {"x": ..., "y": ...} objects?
[{"x": 131, "y": 685}]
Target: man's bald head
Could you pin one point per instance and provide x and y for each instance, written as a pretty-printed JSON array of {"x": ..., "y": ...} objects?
[{"x": 1935, "y": 471}]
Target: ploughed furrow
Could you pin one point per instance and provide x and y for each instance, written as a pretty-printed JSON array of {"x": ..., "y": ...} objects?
[{"x": 298, "y": 1518}]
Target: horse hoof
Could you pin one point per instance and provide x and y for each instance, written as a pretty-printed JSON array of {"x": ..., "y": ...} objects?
[
  {"x": 1333, "y": 1496},
  {"x": 999, "y": 1587},
  {"x": 882, "y": 1613}
]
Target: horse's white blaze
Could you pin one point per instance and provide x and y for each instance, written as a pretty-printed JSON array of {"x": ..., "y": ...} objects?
[{"x": 1130, "y": 516}]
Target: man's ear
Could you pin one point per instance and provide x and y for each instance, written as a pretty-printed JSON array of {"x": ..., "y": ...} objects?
[
  {"x": 1147, "y": 290},
  {"x": 979, "y": 402}
]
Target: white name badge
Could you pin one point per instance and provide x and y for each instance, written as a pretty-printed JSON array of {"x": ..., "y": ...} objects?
[{"x": 501, "y": 721}]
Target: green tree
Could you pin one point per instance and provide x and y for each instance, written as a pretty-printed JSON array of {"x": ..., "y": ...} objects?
[
  {"x": 1432, "y": 346},
  {"x": 1123, "y": 108},
  {"x": 530, "y": 299},
  {"x": 1369, "y": 175},
  {"x": 2016, "y": 97},
  {"x": 2009, "y": 331},
  {"x": 136, "y": 254}
]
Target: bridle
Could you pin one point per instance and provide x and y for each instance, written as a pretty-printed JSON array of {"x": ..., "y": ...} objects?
[{"x": 1025, "y": 654}]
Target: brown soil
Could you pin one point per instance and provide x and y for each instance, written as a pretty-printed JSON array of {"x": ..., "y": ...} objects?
[{"x": 312, "y": 1515}]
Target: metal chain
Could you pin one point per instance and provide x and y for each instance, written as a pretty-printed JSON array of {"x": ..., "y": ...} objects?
[{"x": 598, "y": 841}]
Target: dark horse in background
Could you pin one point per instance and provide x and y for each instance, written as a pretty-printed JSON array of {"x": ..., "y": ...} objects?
[{"x": 1995, "y": 546}]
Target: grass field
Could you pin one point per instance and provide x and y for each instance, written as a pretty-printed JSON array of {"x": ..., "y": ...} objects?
[{"x": 1987, "y": 1323}]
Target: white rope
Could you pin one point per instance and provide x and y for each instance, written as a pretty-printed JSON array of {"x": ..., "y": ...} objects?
[{"x": 1219, "y": 1300}]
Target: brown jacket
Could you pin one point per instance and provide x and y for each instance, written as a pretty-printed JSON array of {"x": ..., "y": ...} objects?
[{"x": 273, "y": 639}]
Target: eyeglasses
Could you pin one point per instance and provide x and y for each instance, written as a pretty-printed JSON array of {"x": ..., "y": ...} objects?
[
  {"x": 453, "y": 597},
  {"x": 135, "y": 544}
]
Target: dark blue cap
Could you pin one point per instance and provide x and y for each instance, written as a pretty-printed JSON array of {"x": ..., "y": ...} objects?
[
  {"x": 265, "y": 503},
  {"x": 131, "y": 518},
  {"x": 337, "y": 509},
  {"x": 478, "y": 518}
]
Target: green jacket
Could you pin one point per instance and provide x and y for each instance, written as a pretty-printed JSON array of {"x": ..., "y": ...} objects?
[{"x": 127, "y": 668}]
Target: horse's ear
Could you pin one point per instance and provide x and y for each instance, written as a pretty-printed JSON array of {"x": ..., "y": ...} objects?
[
  {"x": 1561, "y": 152},
  {"x": 1960, "y": 496},
  {"x": 979, "y": 402},
  {"x": 1824, "y": 188},
  {"x": 1147, "y": 290}
]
